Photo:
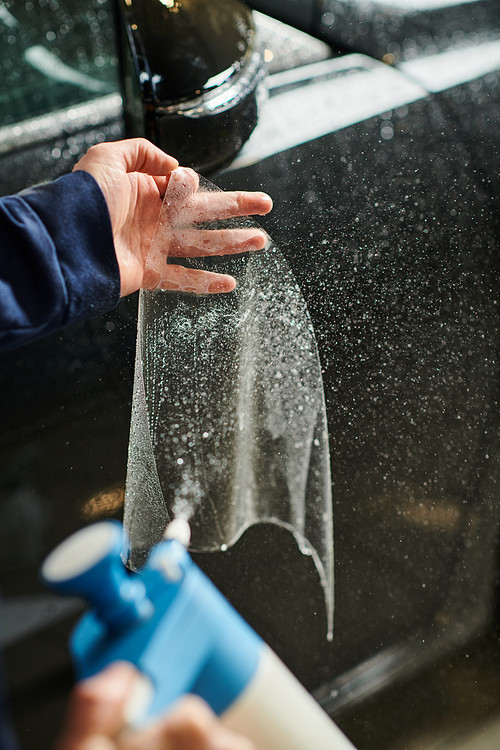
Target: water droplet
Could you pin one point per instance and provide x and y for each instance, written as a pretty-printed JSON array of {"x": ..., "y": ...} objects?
[{"x": 387, "y": 130}]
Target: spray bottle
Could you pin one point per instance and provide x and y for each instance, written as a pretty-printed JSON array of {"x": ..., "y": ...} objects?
[{"x": 183, "y": 636}]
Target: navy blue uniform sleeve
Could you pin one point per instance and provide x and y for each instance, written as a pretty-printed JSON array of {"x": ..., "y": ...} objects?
[
  {"x": 8, "y": 740},
  {"x": 57, "y": 258}
]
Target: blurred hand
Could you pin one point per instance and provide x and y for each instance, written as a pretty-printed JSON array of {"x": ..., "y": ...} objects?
[
  {"x": 134, "y": 176},
  {"x": 95, "y": 720}
]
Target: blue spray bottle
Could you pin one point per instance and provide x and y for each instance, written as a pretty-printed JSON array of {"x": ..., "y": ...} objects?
[{"x": 171, "y": 622}]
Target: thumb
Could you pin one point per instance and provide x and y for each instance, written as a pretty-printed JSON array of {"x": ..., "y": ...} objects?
[
  {"x": 140, "y": 155},
  {"x": 131, "y": 155}
]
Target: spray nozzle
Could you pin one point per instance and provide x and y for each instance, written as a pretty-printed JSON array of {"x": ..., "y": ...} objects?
[
  {"x": 180, "y": 530},
  {"x": 89, "y": 564}
]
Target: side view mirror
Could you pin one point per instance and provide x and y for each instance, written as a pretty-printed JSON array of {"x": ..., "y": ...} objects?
[{"x": 192, "y": 75}]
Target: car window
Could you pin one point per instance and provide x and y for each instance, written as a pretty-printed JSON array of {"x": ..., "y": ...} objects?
[{"x": 55, "y": 53}]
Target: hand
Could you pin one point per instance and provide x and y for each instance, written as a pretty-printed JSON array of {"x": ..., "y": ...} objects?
[
  {"x": 95, "y": 720},
  {"x": 134, "y": 176}
]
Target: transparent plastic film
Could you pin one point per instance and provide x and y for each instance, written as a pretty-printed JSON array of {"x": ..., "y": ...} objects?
[{"x": 228, "y": 421}]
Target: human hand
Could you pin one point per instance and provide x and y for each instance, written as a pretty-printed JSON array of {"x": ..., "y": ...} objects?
[
  {"x": 96, "y": 720},
  {"x": 134, "y": 176}
]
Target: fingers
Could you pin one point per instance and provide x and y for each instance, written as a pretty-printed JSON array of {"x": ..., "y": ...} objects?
[
  {"x": 185, "y": 207},
  {"x": 187, "y": 204},
  {"x": 201, "y": 243},
  {"x": 191, "y": 725},
  {"x": 95, "y": 711},
  {"x": 95, "y": 720},
  {"x": 179, "y": 279},
  {"x": 214, "y": 205}
]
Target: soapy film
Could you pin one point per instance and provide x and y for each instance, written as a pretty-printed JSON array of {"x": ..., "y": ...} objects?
[{"x": 228, "y": 418}]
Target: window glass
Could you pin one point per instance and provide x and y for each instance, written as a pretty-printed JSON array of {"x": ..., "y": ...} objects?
[{"x": 55, "y": 53}]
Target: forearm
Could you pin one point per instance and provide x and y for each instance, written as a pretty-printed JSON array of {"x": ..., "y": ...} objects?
[{"x": 57, "y": 259}]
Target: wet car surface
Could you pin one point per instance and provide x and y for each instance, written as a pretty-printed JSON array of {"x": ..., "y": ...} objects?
[{"x": 386, "y": 209}]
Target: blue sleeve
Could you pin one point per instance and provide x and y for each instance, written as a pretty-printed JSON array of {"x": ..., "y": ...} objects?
[
  {"x": 8, "y": 739},
  {"x": 57, "y": 258}
]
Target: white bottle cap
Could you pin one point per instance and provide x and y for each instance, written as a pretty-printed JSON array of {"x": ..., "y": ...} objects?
[{"x": 180, "y": 530}]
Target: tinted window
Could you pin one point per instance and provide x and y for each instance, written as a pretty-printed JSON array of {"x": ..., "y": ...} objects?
[{"x": 55, "y": 53}]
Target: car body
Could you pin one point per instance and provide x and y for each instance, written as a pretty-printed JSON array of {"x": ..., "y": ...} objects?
[{"x": 382, "y": 159}]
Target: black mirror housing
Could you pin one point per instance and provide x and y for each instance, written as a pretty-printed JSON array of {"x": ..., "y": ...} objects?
[{"x": 192, "y": 74}]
